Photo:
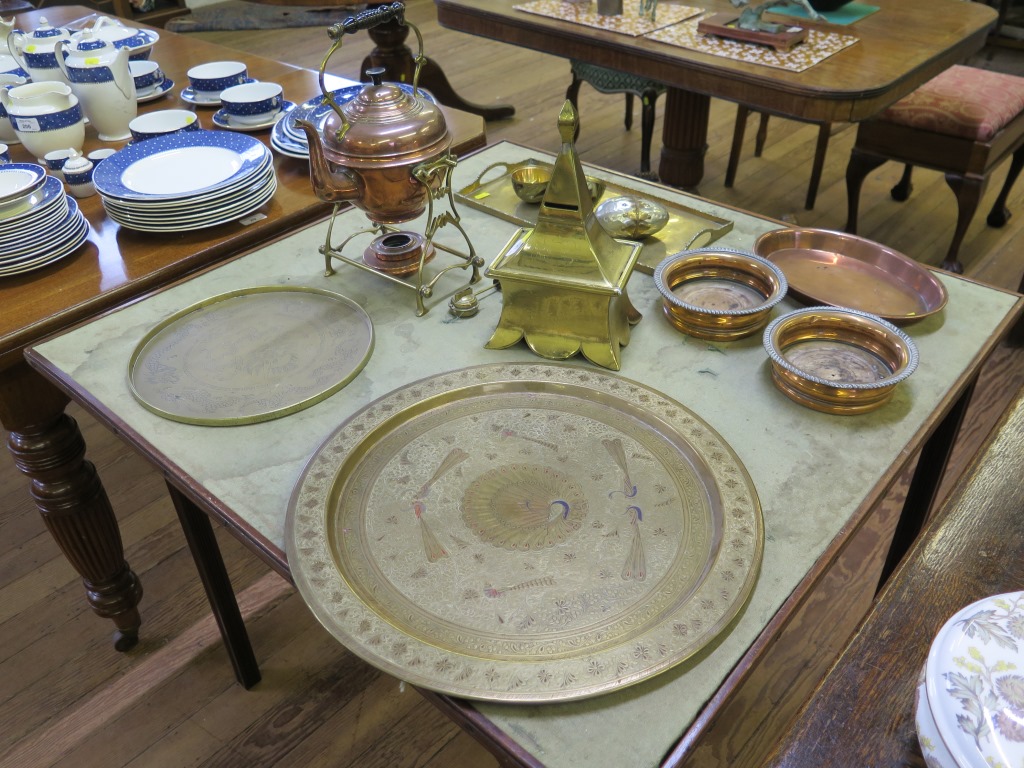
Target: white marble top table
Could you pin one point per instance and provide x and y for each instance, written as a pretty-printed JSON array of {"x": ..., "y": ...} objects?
[{"x": 812, "y": 471}]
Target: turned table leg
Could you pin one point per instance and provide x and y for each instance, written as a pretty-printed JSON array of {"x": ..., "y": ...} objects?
[
  {"x": 684, "y": 139},
  {"x": 49, "y": 448},
  {"x": 399, "y": 64}
]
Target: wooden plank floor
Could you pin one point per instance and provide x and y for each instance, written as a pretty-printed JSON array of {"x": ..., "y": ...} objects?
[{"x": 68, "y": 699}]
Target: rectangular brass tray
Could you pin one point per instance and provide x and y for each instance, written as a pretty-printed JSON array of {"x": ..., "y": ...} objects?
[{"x": 686, "y": 228}]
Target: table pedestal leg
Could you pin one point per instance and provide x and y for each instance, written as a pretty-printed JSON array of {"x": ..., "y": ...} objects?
[
  {"x": 397, "y": 60},
  {"x": 49, "y": 448},
  {"x": 684, "y": 139}
]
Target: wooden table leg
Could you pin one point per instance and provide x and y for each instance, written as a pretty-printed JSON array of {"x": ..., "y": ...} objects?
[
  {"x": 49, "y": 448},
  {"x": 397, "y": 60},
  {"x": 206, "y": 553},
  {"x": 684, "y": 139}
]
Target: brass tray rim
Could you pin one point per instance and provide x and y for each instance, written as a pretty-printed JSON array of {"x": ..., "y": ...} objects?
[
  {"x": 926, "y": 274},
  {"x": 717, "y": 228},
  {"x": 302, "y": 578},
  {"x": 258, "y": 417}
]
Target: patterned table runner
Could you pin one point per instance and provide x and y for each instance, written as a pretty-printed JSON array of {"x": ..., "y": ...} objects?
[
  {"x": 629, "y": 23},
  {"x": 817, "y": 47}
]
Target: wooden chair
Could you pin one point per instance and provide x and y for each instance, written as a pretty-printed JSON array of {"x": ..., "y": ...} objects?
[
  {"x": 605, "y": 80},
  {"x": 963, "y": 123},
  {"x": 742, "y": 112}
]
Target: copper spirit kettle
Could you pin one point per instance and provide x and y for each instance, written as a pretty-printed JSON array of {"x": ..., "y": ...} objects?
[{"x": 370, "y": 148}]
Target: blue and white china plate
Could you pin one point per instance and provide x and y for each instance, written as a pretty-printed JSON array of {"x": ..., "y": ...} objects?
[
  {"x": 48, "y": 194},
  {"x": 191, "y": 207},
  {"x": 180, "y": 165},
  {"x": 66, "y": 230},
  {"x": 286, "y": 146},
  {"x": 78, "y": 236},
  {"x": 34, "y": 231},
  {"x": 223, "y": 120},
  {"x": 19, "y": 180},
  {"x": 188, "y": 94},
  {"x": 215, "y": 218},
  {"x": 157, "y": 92}
]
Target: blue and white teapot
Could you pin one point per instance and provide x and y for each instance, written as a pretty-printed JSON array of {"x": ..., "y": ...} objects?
[
  {"x": 101, "y": 79},
  {"x": 34, "y": 52}
]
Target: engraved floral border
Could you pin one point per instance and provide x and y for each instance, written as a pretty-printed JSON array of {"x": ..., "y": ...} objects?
[{"x": 693, "y": 625}]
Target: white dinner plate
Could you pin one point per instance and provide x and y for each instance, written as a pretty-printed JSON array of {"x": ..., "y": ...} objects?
[
  {"x": 192, "y": 204},
  {"x": 180, "y": 165},
  {"x": 211, "y": 220},
  {"x": 49, "y": 194},
  {"x": 19, "y": 180},
  {"x": 139, "y": 213}
]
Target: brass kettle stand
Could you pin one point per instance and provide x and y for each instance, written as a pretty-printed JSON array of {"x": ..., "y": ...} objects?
[{"x": 436, "y": 175}]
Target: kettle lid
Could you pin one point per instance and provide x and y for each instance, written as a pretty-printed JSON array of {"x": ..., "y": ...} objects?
[{"x": 386, "y": 121}]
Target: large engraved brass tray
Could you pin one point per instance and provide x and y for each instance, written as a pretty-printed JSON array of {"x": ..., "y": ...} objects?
[
  {"x": 250, "y": 355},
  {"x": 525, "y": 533},
  {"x": 687, "y": 227}
]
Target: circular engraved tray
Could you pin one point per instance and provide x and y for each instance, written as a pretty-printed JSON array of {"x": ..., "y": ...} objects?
[
  {"x": 250, "y": 355},
  {"x": 524, "y": 533}
]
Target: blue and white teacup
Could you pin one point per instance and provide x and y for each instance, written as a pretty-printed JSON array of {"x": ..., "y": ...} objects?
[
  {"x": 163, "y": 122},
  {"x": 55, "y": 160},
  {"x": 147, "y": 76},
  {"x": 208, "y": 80},
  {"x": 252, "y": 103}
]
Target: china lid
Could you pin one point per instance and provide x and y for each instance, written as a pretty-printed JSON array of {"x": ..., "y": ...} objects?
[
  {"x": 387, "y": 123},
  {"x": 115, "y": 32},
  {"x": 90, "y": 50},
  {"x": 77, "y": 163},
  {"x": 42, "y": 39},
  {"x": 974, "y": 680}
]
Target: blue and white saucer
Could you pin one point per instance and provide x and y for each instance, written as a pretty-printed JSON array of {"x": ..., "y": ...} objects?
[
  {"x": 157, "y": 92},
  {"x": 188, "y": 94},
  {"x": 223, "y": 120}
]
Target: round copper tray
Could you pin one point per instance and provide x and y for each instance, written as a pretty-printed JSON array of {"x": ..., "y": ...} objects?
[
  {"x": 826, "y": 267},
  {"x": 524, "y": 533},
  {"x": 250, "y": 355}
]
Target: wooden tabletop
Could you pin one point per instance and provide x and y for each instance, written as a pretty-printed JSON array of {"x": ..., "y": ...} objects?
[
  {"x": 863, "y": 712},
  {"x": 117, "y": 265},
  {"x": 904, "y": 44}
]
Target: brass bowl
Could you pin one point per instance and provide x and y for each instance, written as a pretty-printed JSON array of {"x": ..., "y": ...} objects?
[
  {"x": 530, "y": 182},
  {"x": 719, "y": 293},
  {"x": 838, "y": 360}
]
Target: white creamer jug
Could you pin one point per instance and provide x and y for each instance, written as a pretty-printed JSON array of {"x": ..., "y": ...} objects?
[
  {"x": 45, "y": 116},
  {"x": 99, "y": 76}
]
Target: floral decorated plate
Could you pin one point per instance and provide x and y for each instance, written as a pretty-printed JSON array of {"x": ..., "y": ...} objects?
[{"x": 975, "y": 683}]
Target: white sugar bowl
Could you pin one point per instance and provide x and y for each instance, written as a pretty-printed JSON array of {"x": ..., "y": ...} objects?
[
  {"x": 970, "y": 706},
  {"x": 78, "y": 176}
]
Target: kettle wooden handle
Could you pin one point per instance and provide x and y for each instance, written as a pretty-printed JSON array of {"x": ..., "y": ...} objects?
[{"x": 367, "y": 20}]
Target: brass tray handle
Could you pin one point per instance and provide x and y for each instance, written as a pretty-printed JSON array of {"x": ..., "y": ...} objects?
[{"x": 368, "y": 19}]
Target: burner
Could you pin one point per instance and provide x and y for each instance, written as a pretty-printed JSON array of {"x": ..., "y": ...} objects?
[{"x": 397, "y": 253}]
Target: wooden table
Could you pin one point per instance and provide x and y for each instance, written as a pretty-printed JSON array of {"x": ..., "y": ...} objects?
[
  {"x": 900, "y": 47},
  {"x": 819, "y": 479},
  {"x": 117, "y": 266},
  {"x": 863, "y": 712}
]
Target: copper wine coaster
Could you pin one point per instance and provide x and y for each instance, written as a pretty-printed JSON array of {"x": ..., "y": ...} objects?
[
  {"x": 250, "y": 355},
  {"x": 525, "y": 533}
]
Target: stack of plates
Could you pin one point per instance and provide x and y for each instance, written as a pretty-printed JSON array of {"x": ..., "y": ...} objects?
[
  {"x": 187, "y": 180},
  {"x": 289, "y": 139},
  {"x": 39, "y": 223}
]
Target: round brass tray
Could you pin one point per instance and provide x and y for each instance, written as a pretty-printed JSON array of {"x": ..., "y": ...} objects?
[
  {"x": 250, "y": 355},
  {"x": 524, "y": 533}
]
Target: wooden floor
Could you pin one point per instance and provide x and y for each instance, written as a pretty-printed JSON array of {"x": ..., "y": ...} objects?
[{"x": 68, "y": 699}]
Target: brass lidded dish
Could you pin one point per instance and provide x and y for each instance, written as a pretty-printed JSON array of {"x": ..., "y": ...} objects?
[
  {"x": 632, "y": 217},
  {"x": 838, "y": 360},
  {"x": 720, "y": 294}
]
